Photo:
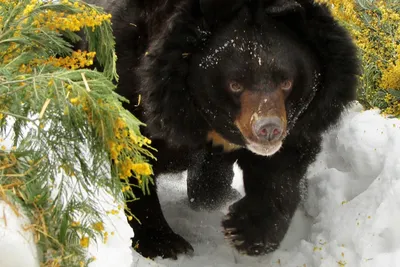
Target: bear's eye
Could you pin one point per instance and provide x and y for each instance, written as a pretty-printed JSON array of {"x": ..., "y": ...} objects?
[
  {"x": 286, "y": 85},
  {"x": 236, "y": 87}
]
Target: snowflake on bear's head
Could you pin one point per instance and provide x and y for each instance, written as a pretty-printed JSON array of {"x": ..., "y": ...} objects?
[{"x": 241, "y": 45}]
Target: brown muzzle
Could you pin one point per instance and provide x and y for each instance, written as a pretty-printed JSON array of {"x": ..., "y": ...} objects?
[{"x": 262, "y": 120}]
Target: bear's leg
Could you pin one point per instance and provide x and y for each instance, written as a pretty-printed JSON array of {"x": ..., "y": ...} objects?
[
  {"x": 209, "y": 180},
  {"x": 153, "y": 236},
  {"x": 257, "y": 223}
]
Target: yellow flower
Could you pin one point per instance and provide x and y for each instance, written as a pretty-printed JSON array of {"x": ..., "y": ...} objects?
[
  {"x": 74, "y": 101},
  {"x": 78, "y": 59},
  {"x": 84, "y": 242},
  {"x": 28, "y": 9},
  {"x": 85, "y": 16},
  {"x": 105, "y": 237},
  {"x": 75, "y": 224},
  {"x": 142, "y": 169},
  {"x": 120, "y": 123},
  {"x": 376, "y": 30},
  {"x": 126, "y": 188},
  {"x": 99, "y": 227},
  {"x": 113, "y": 212},
  {"x": 391, "y": 77}
]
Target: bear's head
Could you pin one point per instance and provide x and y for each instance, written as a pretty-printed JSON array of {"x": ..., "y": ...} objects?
[
  {"x": 240, "y": 73},
  {"x": 250, "y": 79}
]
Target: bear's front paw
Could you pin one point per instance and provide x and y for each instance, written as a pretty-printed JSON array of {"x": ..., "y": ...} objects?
[
  {"x": 246, "y": 229},
  {"x": 155, "y": 242}
]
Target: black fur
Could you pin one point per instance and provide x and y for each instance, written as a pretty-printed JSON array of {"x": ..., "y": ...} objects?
[{"x": 160, "y": 47}]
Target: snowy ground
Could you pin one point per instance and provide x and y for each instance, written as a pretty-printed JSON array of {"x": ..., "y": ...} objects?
[
  {"x": 17, "y": 247},
  {"x": 350, "y": 218}
]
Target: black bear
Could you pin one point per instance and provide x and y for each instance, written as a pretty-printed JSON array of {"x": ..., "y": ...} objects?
[{"x": 252, "y": 81}]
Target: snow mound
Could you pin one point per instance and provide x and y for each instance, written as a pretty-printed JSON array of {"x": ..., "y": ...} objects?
[
  {"x": 349, "y": 218},
  {"x": 17, "y": 246}
]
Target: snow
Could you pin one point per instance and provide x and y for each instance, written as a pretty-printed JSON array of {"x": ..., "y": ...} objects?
[
  {"x": 116, "y": 250},
  {"x": 17, "y": 247},
  {"x": 350, "y": 216},
  {"x": 242, "y": 45},
  {"x": 16, "y": 238}
]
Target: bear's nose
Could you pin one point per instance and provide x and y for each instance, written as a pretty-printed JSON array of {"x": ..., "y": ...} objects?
[{"x": 268, "y": 128}]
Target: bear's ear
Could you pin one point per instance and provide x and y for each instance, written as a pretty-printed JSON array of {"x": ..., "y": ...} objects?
[
  {"x": 216, "y": 11},
  {"x": 283, "y": 7}
]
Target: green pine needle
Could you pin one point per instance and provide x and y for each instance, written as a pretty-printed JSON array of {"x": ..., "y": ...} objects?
[{"x": 66, "y": 123}]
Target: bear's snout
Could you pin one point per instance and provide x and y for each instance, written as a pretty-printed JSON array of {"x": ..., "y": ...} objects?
[
  {"x": 268, "y": 129},
  {"x": 262, "y": 120}
]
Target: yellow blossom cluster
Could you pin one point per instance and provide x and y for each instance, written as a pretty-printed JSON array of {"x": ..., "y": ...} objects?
[
  {"x": 30, "y": 7},
  {"x": 99, "y": 226},
  {"x": 375, "y": 27},
  {"x": 126, "y": 188},
  {"x": 394, "y": 105},
  {"x": 113, "y": 212},
  {"x": 3, "y": 109},
  {"x": 344, "y": 10},
  {"x": 55, "y": 20},
  {"x": 121, "y": 147},
  {"x": 43, "y": 18},
  {"x": 10, "y": 53},
  {"x": 125, "y": 140},
  {"x": 78, "y": 59},
  {"x": 391, "y": 75},
  {"x": 39, "y": 74},
  {"x": 25, "y": 68},
  {"x": 75, "y": 224},
  {"x": 84, "y": 242}
]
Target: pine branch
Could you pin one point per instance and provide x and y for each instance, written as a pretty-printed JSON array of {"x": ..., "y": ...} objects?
[{"x": 66, "y": 124}]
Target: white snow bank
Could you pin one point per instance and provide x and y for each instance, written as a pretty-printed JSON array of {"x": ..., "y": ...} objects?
[
  {"x": 116, "y": 250},
  {"x": 17, "y": 247},
  {"x": 350, "y": 218}
]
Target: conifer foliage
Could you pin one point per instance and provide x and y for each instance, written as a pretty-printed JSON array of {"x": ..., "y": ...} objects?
[{"x": 65, "y": 124}]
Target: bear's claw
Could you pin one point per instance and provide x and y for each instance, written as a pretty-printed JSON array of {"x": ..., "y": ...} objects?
[
  {"x": 156, "y": 243},
  {"x": 245, "y": 233}
]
